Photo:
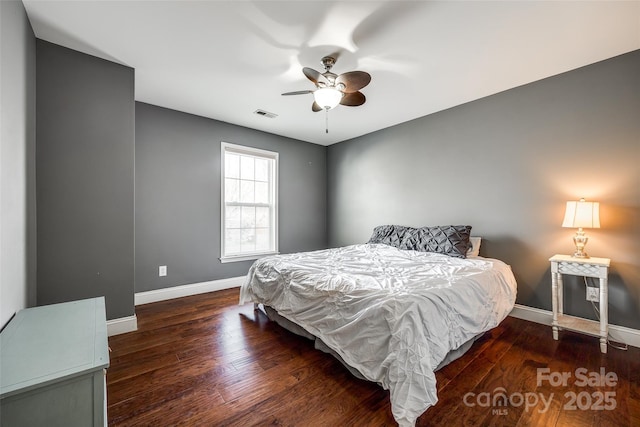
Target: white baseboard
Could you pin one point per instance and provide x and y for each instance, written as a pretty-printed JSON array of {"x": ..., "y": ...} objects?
[
  {"x": 617, "y": 333},
  {"x": 122, "y": 325},
  {"x": 187, "y": 290},
  {"x": 532, "y": 314}
]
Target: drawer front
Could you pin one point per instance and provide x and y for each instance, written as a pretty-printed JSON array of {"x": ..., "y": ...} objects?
[
  {"x": 589, "y": 270},
  {"x": 70, "y": 403}
]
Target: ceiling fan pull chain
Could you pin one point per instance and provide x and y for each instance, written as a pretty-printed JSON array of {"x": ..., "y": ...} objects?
[{"x": 326, "y": 120}]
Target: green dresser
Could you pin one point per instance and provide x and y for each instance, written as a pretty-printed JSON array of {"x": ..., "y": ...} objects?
[{"x": 52, "y": 366}]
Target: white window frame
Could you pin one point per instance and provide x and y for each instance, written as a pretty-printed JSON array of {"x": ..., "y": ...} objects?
[{"x": 226, "y": 147}]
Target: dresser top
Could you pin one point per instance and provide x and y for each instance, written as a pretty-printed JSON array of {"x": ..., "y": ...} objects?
[{"x": 51, "y": 343}]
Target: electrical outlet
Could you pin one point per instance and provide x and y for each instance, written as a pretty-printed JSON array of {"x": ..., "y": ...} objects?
[
  {"x": 162, "y": 270},
  {"x": 593, "y": 294}
]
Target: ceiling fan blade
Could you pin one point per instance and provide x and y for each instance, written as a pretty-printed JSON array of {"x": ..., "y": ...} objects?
[
  {"x": 353, "y": 99},
  {"x": 315, "y": 107},
  {"x": 315, "y": 76},
  {"x": 299, "y": 92},
  {"x": 353, "y": 80}
]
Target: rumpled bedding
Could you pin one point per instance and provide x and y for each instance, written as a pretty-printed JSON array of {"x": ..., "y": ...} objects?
[{"x": 391, "y": 314}]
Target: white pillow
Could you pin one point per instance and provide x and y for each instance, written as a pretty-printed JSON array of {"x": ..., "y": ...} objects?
[{"x": 474, "y": 246}]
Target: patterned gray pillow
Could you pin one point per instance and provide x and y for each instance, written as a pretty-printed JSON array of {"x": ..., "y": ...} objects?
[
  {"x": 392, "y": 235},
  {"x": 452, "y": 240}
]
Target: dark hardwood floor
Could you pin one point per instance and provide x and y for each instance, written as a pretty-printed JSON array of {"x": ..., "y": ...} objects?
[{"x": 205, "y": 361}]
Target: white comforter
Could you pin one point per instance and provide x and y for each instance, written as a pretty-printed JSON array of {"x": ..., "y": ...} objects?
[{"x": 391, "y": 314}]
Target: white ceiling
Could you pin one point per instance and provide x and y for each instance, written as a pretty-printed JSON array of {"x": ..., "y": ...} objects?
[{"x": 225, "y": 59}]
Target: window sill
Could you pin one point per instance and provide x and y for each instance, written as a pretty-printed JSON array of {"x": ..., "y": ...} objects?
[{"x": 248, "y": 257}]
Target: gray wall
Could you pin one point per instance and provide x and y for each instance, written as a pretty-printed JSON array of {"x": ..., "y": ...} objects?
[
  {"x": 17, "y": 160},
  {"x": 506, "y": 165},
  {"x": 85, "y": 179},
  {"x": 178, "y": 196}
]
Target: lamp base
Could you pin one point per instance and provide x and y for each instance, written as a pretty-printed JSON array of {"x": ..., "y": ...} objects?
[{"x": 580, "y": 240}]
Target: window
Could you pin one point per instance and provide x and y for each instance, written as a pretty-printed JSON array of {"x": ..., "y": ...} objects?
[{"x": 249, "y": 203}]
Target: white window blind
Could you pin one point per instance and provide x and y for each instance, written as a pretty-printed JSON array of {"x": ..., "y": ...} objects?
[{"x": 249, "y": 203}]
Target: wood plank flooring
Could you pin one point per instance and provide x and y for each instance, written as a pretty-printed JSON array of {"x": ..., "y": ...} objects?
[{"x": 205, "y": 361}]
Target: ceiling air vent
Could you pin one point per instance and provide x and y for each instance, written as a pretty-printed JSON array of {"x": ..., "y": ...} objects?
[{"x": 265, "y": 114}]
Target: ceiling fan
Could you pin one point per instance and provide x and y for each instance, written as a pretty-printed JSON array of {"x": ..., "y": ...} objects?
[{"x": 332, "y": 89}]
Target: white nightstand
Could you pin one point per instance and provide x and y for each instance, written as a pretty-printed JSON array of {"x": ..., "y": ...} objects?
[{"x": 588, "y": 267}]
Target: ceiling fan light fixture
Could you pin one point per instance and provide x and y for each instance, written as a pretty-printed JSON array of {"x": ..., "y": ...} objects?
[{"x": 327, "y": 97}]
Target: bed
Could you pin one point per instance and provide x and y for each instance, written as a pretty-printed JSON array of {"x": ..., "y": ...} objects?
[{"x": 390, "y": 310}]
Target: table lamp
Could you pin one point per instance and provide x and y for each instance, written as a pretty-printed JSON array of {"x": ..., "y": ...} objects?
[{"x": 581, "y": 214}]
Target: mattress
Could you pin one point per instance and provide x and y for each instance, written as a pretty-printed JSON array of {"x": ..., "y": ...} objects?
[{"x": 393, "y": 315}]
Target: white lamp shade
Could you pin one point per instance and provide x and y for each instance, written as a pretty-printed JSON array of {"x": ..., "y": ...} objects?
[
  {"x": 327, "y": 97},
  {"x": 582, "y": 214}
]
